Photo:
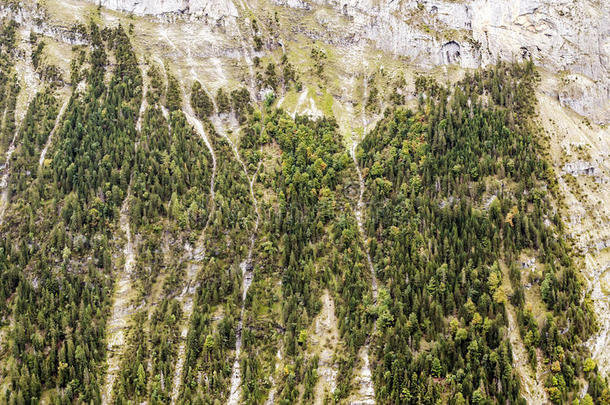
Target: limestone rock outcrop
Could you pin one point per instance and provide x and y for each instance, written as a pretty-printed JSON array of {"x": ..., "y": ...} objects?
[
  {"x": 559, "y": 35},
  {"x": 213, "y": 9},
  {"x": 34, "y": 19}
]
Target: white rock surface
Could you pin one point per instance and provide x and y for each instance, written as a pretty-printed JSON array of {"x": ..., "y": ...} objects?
[
  {"x": 579, "y": 168},
  {"x": 214, "y": 9},
  {"x": 35, "y": 21},
  {"x": 559, "y": 35},
  {"x": 293, "y": 3}
]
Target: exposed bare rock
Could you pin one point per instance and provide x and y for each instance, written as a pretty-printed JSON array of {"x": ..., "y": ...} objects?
[
  {"x": 586, "y": 96},
  {"x": 213, "y": 9},
  {"x": 586, "y": 212},
  {"x": 580, "y": 168},
  {"x": 325, "y": 341},
  {"x": 293, "y": 3},
  {"x": 36, "y": 21},
  {"x": 558, "y": 35}
]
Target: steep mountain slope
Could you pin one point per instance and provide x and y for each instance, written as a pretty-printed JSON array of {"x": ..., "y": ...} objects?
[
  {"x": 304, "y": 202},
  {"x": 560, "y": 35}
]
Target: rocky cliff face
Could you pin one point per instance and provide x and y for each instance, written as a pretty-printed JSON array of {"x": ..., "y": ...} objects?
[
  {"x": 572, "y": 38},
  {"x": 197, "y": 8},
  {"x": 35, "y": 20},
  {"x": 561, "y": 36}
]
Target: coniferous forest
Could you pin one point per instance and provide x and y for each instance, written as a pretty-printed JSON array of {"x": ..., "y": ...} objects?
[{"x": 233, "y": 244}]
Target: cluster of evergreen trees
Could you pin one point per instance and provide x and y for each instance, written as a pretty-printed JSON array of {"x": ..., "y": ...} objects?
[
  {"x": 457, "y": 190},
  {"x": 309, "y": 241},
  {"x": 210, "y": 346},
  {"x": 9, "y": 84},
  {"x": 62, "y": 251},
  {"x": 439, "y": 246}
]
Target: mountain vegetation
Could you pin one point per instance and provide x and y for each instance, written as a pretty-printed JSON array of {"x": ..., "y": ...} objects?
[{"x": 221, "y": 189}]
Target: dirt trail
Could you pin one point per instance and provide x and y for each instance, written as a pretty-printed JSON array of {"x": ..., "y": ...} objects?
[
  {"x": 58, "y": 121},
  {"x": 359, "y": 219},
  {"x": 247, "y": 52},
  {"x": 533, "y": 389},
  {"x": 364, "y": 381},
  {"x": 235, "y": 389},
  {"x": 188, "y": 294},
  {"x": 4, "y": 181},
  {"x": 198, "y": 254},
  {"x": 122, "y": 308},
  {"x": 359, "y": 212},
  {"x": 143, "y": 107},
  {"x": 324, "y": 340},
  {"x": 247, "y": 275},
  {"x": 273, "y": 390},
  {"x": 366, "y": 388},
  {"x": 246, "y": 265}
]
